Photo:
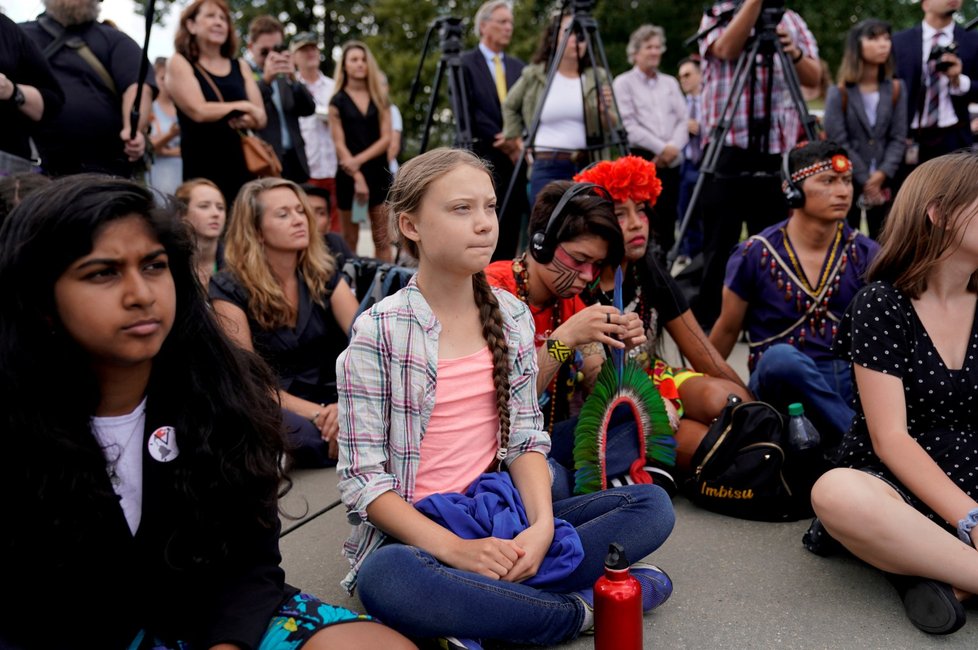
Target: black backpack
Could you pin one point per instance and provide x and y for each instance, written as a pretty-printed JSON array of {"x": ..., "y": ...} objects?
[{"x": 741, "y": 467}]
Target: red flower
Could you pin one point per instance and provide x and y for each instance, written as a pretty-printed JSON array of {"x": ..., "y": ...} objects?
[
  {"x": 840, "y": 164},
  {"x": 629, "y": 177}
]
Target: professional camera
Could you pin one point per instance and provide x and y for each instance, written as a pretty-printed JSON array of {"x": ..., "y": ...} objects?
[
  {"x": 280, "y": 47},
  {"x": 940, "y": 50},
  {"x": 771, "y": 13}
]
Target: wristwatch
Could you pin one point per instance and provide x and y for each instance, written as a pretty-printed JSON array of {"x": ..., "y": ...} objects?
[{"x": 17, "y": 96}]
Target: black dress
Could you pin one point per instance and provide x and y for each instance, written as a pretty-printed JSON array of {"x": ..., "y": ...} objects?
[
  {"x": 360, "y": 131},
  {"x": 212, "y": 150},
  {"x": 881, "y": 331},
  {"x": 303, "y": 358}
]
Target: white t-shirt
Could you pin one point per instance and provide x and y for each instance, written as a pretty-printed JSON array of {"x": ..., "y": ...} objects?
[
  {"x": 562, "y": 120},
  {"x": 320, "y": 150},
  {"x": 121, "y": 439}
]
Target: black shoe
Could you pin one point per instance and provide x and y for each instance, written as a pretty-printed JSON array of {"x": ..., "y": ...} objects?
[
  {"x": 817, "y": 540},
  {"x": 930, "y": 604}
]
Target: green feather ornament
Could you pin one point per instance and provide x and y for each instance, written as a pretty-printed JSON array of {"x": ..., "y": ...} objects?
[{"x": 621, "y": 383}]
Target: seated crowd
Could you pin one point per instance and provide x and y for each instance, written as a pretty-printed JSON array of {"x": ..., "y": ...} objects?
[{"x": 206, "y": 342}]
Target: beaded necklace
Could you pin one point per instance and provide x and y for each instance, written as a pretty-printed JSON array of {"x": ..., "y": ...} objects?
[
  {"x": 828, "y": 265},
  {"x": 521, "y": 275}
]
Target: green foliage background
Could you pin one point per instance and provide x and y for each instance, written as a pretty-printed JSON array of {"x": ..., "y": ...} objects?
[{"x": 395, "y": 29}]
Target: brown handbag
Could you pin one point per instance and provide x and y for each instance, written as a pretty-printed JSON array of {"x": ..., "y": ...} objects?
[{"x": 259, "y": 156}]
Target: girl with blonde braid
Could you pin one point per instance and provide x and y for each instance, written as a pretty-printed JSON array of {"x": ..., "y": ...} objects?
[{"x": 437, "y": 388}]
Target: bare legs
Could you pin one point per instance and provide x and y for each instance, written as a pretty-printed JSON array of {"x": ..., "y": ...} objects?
[
  {"x": 360, "y": 634},
  {"x": 703, "y": 399},
  {"x": 378, "y": 230},
  {"x": 870, "y": 519}
]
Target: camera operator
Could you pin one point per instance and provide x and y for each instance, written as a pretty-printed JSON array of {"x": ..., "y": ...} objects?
[
  {"x": 938, "y": 61},
  {"x": 746, "y": 183},
  {"x": 286, "y": 100}
]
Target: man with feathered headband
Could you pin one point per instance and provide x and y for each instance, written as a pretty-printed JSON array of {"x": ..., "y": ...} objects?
[
  {"x": 789, "y": 285},
  {"x": 699, "y": 393}
]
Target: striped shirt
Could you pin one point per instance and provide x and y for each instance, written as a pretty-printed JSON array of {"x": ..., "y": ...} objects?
[
  {"x": 718, "y": 78},
  {"x": 386, "y": 383}
]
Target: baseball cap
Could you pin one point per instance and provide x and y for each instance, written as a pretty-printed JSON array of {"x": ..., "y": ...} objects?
[{"x": 302, "y": 39}]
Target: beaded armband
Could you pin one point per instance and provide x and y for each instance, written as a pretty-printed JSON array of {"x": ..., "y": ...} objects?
[{"x": 559, "y": 351}]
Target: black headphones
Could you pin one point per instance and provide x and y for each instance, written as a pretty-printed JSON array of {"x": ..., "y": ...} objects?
[
  {"x": 793, "y": 193},
  {"x": 543, "y": 243}
]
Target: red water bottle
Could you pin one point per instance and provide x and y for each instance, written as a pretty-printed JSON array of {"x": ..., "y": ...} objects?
[{"x": 617, "y": 605}]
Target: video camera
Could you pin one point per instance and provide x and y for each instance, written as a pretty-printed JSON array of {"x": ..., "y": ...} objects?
[
  {"x": 449, "y": 30},
  {"x": 940, "y": 50},
  {"x": 771, "y": 13}
]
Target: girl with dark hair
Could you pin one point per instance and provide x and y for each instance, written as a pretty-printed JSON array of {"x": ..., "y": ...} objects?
[
  {"x": 867, "y": 114},
  {"x": 575, "y": 244},
  {"x": 577, "y": 108},
  {"x": 699, "y": 393},
  {"x": 215, "y": 94},
  {"x": 905, "y": 499},
  {"x": 146, "y": 501},
  {"x": 437, "y": 387}
]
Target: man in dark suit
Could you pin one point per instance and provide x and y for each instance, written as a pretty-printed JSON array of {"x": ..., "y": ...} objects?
[
  {"x": 286, "y": 99},
  {"x": 939, "y": 91},
  {"x": 489, "y": 73}
]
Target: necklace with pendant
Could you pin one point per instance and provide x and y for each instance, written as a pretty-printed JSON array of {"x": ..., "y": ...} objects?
[{"x": 112, "y": 462}]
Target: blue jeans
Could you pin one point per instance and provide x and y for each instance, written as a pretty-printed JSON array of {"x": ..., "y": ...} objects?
[
  {"x": 785, "y": 375},
  {"x": 306, "y": 444},
  {"x": 545, "y": 171},
  {"x": 408, "y": 589}
]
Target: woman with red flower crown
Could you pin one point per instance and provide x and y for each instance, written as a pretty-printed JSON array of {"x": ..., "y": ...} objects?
[
  {"x": 700, "y": 393},
  {"x": 574, "y": 234}
]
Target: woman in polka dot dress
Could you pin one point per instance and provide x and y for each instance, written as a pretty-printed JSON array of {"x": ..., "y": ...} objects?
[{"x": 905, "y": 497}]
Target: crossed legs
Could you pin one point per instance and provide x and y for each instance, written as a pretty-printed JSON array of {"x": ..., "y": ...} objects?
[{"x": 873, "y": 521}]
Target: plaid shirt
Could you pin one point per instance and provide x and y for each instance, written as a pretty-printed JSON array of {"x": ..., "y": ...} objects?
[
  {"x": 386, "y": 383},
  {"x": 718, "y": 82}
]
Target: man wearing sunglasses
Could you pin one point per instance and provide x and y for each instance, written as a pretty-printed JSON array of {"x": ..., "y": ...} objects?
[{"x": 286, "y": 99}]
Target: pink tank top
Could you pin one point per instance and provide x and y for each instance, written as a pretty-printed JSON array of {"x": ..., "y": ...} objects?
[{"x": 461, "y": 437}]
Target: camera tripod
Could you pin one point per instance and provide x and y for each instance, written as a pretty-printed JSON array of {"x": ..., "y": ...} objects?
[
  {"x": 759, "y": 54},
  {"x": 584, "y": 26},
  {"x": 450, "y": 40}
]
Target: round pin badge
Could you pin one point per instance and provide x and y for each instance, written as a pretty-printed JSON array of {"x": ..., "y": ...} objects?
[{"x": 162, "y": 444}]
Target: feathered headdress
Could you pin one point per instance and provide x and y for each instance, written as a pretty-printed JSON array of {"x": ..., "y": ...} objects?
[{"x": 620, "y": 383}]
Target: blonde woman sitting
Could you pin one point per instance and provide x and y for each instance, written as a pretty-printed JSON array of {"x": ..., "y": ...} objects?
[{"x": 281, "y": 296}]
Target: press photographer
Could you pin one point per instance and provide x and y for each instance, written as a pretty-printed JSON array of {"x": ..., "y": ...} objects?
[
  {"x": 937, "y": 60},
  {"x": 764, "y": 123}
]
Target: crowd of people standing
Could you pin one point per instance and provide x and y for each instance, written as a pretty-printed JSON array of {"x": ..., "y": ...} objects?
[{"x": 216, "y": 309}]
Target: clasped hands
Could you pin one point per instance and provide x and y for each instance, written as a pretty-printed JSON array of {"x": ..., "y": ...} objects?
[{"x": 512, "y": 560}]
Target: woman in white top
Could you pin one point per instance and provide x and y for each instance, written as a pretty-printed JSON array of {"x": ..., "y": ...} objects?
[{"x": 572, "y": 114}]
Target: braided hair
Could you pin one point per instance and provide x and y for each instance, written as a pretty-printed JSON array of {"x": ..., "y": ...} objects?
[
  {"x": 492, "y": 330},
  {"x": 406, "y": 193}
]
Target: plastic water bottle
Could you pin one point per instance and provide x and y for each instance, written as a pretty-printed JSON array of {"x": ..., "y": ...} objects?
[
  {"x": 802, "y": 434},
  {"x": 617, "y": 605}
]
